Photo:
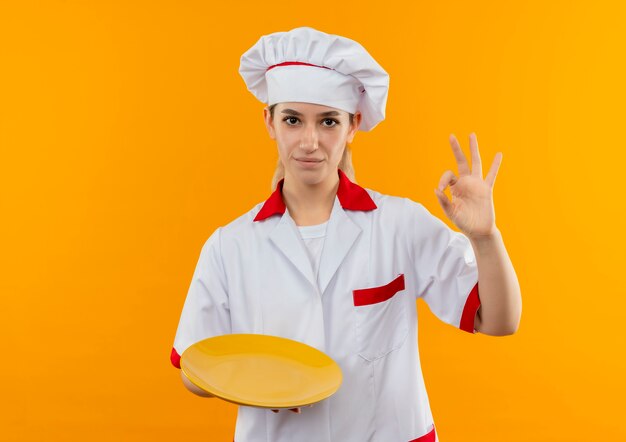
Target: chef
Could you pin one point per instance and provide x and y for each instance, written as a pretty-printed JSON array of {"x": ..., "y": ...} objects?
[{"x": 338, "y": 266}]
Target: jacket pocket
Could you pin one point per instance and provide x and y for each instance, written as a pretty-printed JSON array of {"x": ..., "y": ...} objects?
[{"x": 381, "y": 318}]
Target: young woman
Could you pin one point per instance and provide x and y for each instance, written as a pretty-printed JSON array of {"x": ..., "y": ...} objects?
[{"x": 331, "y": 264}]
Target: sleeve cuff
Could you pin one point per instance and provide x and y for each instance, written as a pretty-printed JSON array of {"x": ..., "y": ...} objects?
[
  {"x": 469, "y": 311},
  {"x": 175, "y": 358}
]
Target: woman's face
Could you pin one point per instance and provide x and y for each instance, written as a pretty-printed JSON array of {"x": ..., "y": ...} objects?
[{"x": 311, "y": 139}]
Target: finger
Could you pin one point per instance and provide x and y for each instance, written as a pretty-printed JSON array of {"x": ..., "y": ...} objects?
[
  {"x": 446, "y": 205},
  {"x": 275, "y": 411},
  {"x": 461, "y": 161},
  {"x": 477, "y": 167},
  {"x": 448, "y": 177},
  {"x": 296, "y": 410},
  {"x": 493, "y": 170}
]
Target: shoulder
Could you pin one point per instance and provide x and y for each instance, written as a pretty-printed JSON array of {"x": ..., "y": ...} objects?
[
  {"x": 394, "y": 205},
  {"x": 238, "y": 229},
  {"x": 408, "y": 215}
]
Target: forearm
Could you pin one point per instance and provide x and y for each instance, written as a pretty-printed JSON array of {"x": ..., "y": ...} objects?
[
  {"x": 193, "y": 388},
  {"x": 498, "y": 287}
]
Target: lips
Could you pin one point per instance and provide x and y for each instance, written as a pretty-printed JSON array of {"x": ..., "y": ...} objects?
[{"x": 308, "y": 160}]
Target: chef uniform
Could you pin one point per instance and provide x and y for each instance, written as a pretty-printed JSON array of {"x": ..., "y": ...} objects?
[{"x": 346, "y": 287}]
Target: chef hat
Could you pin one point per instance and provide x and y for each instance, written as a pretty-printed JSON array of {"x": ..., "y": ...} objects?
[{"x": 307, "y": 65}]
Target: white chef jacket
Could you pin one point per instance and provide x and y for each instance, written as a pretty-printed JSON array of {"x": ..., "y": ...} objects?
[{"x": 380, "y": 254}]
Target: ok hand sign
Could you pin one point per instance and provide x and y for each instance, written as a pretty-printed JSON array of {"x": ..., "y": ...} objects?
[{"x": 471, "y": 208}]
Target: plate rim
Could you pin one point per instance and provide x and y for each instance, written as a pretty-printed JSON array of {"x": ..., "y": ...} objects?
[{"x": 229, "y": 398}]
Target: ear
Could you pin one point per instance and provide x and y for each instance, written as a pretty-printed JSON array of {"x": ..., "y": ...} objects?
[
  {"x": 269, "y": 123},
  {"x": 355, "y": 126}
]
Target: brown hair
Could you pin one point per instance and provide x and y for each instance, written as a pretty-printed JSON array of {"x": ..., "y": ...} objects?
[{"x": 345, "y": 164}]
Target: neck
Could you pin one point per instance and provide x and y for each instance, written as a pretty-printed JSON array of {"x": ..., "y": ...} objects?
[{"x": 310, "y": 204}]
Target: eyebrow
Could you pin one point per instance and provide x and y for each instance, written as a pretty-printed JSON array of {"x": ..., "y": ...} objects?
[{"x": 321, "y": 114}]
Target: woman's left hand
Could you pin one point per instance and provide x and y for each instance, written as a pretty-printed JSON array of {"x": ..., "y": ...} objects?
[{"x": 471, "y": 208}]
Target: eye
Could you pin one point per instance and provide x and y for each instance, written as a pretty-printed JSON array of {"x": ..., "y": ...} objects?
[
  {"x": 335, "y": 122},
  {"x": 290, "y": 118}
]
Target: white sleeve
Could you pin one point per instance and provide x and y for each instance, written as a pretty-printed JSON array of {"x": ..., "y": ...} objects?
[
  {"x": 206, "y": 311},
  {"x": 446, "y": 270}
]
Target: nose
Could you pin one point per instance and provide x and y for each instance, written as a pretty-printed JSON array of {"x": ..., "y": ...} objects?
[{"x": 309, "y": 141}]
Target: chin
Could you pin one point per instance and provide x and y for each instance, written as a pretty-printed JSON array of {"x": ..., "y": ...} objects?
[{"x": 310, "y": 177}]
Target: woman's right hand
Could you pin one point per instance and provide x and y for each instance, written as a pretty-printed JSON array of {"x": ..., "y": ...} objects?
[{"x": 297, "y": 410}]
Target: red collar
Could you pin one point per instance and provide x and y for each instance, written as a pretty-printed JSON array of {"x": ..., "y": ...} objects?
[{"x": 351, "y": 196}]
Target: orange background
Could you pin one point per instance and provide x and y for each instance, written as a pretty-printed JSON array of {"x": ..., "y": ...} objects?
[{"x": 127, "y": 136}]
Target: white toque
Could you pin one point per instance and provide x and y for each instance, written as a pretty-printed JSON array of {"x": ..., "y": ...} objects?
[{"x": 307, "y": 65}]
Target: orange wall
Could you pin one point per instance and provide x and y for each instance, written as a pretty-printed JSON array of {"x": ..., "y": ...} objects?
[{"x": 127, "y": 136}]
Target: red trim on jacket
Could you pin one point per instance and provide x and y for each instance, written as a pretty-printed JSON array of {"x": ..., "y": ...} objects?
[
  {"x": 469, "y": 311},
  {"x": 374, "y": 295},
  {"x": 296, "y": 63},
  {"x": 429, "y": 437},
  {"x": 175, "y": 358},
  {"x": 351, "y": 197}
]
